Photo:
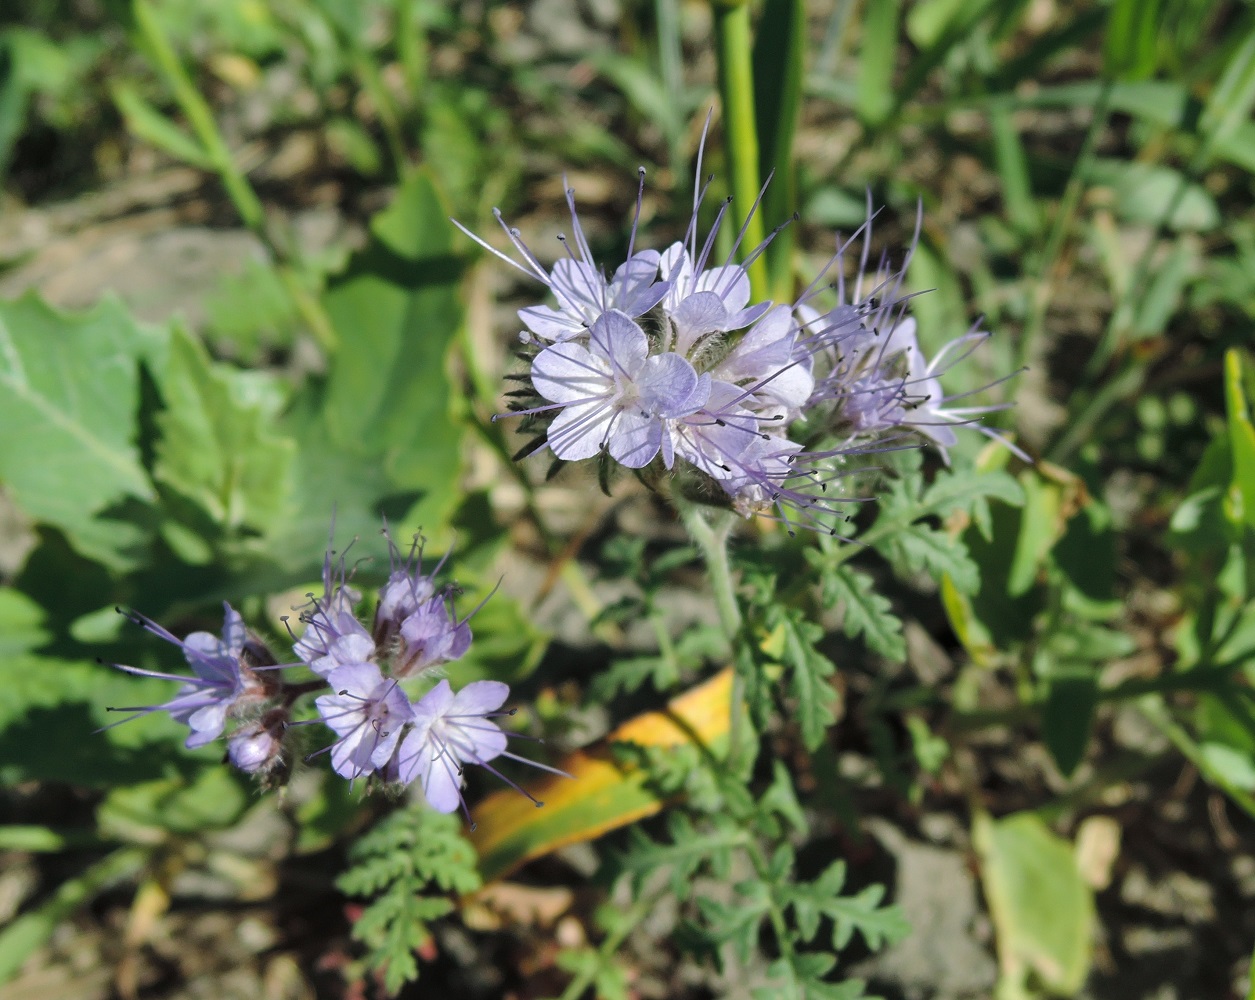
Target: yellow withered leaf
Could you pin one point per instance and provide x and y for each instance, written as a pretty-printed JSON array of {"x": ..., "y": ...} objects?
[{"x": 602, "y": 793}]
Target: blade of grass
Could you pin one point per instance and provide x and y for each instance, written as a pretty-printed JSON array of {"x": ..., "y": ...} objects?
[
  {"x": 877, "y": 62},
  {"x": 156, "y": 45},
  {"x": 779, "y": 69},
  {"x": 736, "y": 91},
  {"x": 21, "y": 937}
]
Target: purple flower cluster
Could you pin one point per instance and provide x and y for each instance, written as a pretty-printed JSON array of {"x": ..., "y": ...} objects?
[
  {"x": 671, "y": 361},
  {"x": 365, "y": 677}
]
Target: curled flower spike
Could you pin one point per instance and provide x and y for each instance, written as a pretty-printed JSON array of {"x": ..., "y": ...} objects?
[
  {"x": 225, "y": 677},
  {"x": 672, "y": 359},
  {"x": 452, "y": 730},
  {"x": 333, "y": 636}
]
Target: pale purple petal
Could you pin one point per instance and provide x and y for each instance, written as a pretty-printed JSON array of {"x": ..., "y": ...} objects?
[
  {"x": 635, "y": 439},
  {"x": 434, "y": 703},
  {"x": 615, "y": 337},
  {"x": 579, "y": 431},
  {"x": 580, "y": 288},
  {"x": 669, "y": 387},
  {"x": 551, "y": 324},
  {"x": 479, "y": 697},
  {"x": 569, "y": 373},
  {"x": 730, "y": 283}
]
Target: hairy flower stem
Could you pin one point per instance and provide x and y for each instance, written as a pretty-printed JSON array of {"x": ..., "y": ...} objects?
[
  {"x": 712, "y": 539},
  {"x": 734, "y": 52}
]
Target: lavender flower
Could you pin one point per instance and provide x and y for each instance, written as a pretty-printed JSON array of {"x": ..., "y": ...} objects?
[
  {"x": 367, "y": 711},
  {"x": 333, "y": 636},
  {"x": 224, "y": 680},
  {"x": 378, "y": 730},
  {"x": 415, "y": 624},
  {"x": 257, "y": 748},
  {"x": 613, "y": 395},
  {"x": 451, "y": 730}
]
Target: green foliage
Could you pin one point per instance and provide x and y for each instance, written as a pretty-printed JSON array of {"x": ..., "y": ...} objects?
[
  {"x": 865, "y": 612},
  {"x": 398, "y": 863},
  {"x": 1042, "y": 909},
  {"x": 71, "y": 388}
]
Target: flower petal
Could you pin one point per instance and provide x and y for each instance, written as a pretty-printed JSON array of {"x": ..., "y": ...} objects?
[{"x": 570, "y": 373}]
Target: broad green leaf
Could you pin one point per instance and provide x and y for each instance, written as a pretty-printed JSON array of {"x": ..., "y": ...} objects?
[
  {"x": 1229, "y": 103},
  {"x": 217, "y": 448},
  {"x": 1237, "y": 769},
  {"x": 877, "y": 59},
  {"x": 1052, "y": 496},
  {"x": 69, "y": 395},
  {"x": 53, "y": 708},
  {"x": 212, "y": 799},
  {"x": 602, "y": 794},
  {"x": 387, "y": 398},
  {"x": 1153, "y": 194},
  {"x": 1042, "y": 910},
  {"x": 1068, "y": 715},
  {"x": 779, "y": 65}
]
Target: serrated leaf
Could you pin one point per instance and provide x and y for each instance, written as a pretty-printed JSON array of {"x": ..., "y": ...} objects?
[
  {"x": 687, "y": 850},
  {"x": 808, "y": 680},
  {"x": 924, "y": 549},
  {"x": 863, "y": 913},
  {"x": 69, "y": 395},
  {"x": 410, "y": 852},
  {"x": 217, "y": 447},
  {"x": 865, "y": 612}
]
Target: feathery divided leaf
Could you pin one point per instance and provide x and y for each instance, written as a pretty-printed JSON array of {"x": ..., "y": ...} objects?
[{"x": 398, "y": 860}]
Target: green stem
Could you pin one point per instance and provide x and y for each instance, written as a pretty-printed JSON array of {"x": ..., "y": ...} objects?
[
  {"x": 713, "y": 542},
  {"x": 775, "y": 913},
  {"x": 734, "y": 50},
  {"x": 609, "y": 945},
  {"x": 201, "y": 119}
]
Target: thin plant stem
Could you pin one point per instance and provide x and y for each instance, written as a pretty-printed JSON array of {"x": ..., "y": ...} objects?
[
  {"x": 252, "y": 213},
  {"x": 712, "y": 540},
  {"x": 733, "y": 50}
]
